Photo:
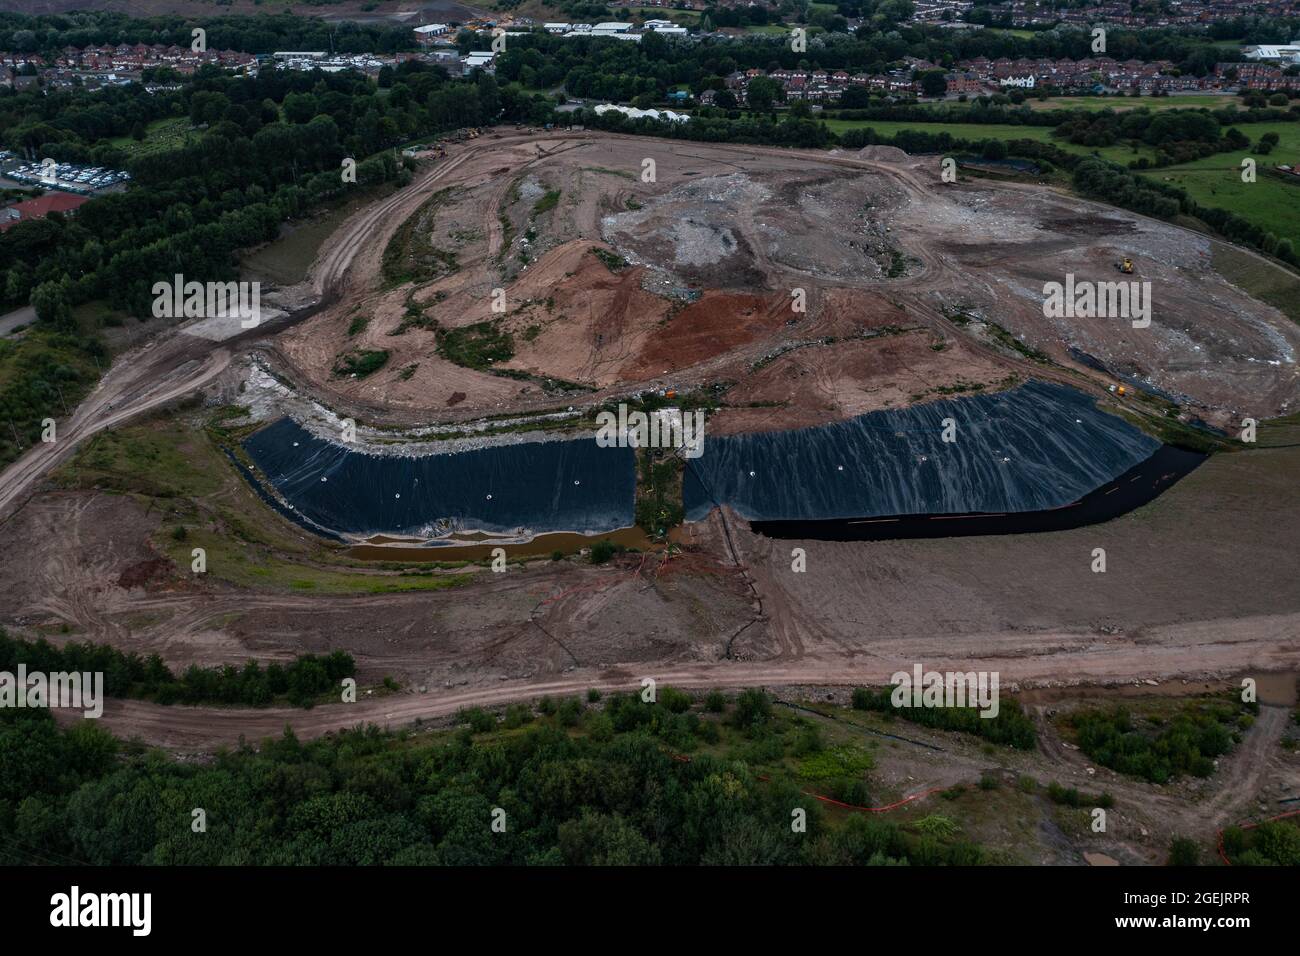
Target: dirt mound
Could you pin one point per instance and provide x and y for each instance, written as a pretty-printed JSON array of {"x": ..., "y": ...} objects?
[
  {"x": 825, "y": 383},
  {"x": 143, "y": 573},
  {"x": 583, "y": 320},
  {"x": 883, "y": 154},
  {"x": 709, "y": 327}
]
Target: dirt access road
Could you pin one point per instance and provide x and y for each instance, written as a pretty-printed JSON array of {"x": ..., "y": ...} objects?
[{"x": 1224, "y": 646}]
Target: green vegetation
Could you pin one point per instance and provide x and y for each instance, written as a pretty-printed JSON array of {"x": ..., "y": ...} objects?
[
  {"x": 159, "y": 135},
  {"x": 613, "y": 262},
  {"x": 1010, "y": 728},
  {"x": 171, "y": 462},
  {"x": 1265, "y": 281},
  {"x": 478, "y": 346},
  {"x": 358, "y": 325},
  {"x": 1161, "y": 744},
  {"x": 658, "y": 492},
  {"x": 43, "y": 373},
  {"x": 1184, "y": 852},
  {"x": 410, "y": 255},
  {"x": 361, "y": 363},
  {"x": 300, "y": 682},
  {"x": 579, "y": 784},
  {"x": 1071, "y": 797},
  {"x": 1276, "y": 843},
  {"x": 603, "y": 550},
  {"x": 841, "y": 761},
  {"x": 547, "y": 202}
]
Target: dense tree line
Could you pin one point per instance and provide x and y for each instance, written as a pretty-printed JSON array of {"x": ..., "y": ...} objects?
[
  {"x": 578, "y": 784},
  {"x": 268, "y": 148},
  {"x": 301, "y": 681}
]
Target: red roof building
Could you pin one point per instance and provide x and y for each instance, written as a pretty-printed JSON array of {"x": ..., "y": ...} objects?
[{"x": 39, "y": 208}]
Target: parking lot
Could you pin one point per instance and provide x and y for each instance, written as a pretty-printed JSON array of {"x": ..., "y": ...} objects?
[{"x": 69, "y": 177}]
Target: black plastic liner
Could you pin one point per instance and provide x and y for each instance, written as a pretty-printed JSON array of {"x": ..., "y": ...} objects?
[
  {"x": 533, "y": 486},
  {"x": 1134, "y": 488},
  {"x": 1032, "y": 448}
]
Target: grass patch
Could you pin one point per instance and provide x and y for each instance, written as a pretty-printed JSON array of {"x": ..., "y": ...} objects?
[
  {"x": 410, "y": 255},
  {"x": 360, "y": 364},
  {"x": 478, "y": 346},
  {"x": 612, "y": 261},
  {"x": 1275, "y": 285},
  {"x": 171, "y": 461},
  {"x": 842, "y": 761},
  {"x": 160, "y": 135},
  {"x": 547, "y": 202}
]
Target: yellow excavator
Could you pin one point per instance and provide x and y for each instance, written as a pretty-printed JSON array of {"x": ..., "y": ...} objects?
[{"x": 1126, "y": 266}]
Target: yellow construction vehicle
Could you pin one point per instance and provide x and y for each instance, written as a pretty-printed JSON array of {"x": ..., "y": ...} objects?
[{"x": 1126, "y": 266}]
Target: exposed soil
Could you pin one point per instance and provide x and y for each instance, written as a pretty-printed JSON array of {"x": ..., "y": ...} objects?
[{"x": 721, "y": 246}]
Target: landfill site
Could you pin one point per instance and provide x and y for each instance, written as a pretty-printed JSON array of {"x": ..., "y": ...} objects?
[
  {"x": 815, "y": 287},
  {"x": 525, "y": 279}
]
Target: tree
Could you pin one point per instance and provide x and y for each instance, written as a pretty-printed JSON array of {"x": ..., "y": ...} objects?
[
  {"x": 53, "y": 304},
  {"x": 762, "y": 93},
  {"x": 207, "y": 106},
  {"x": 1184, "y": 852},
  {"x": 934, "y": 83}
]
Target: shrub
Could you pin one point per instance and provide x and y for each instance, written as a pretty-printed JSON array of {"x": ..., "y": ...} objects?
[{"x": 1184, "y": 852}]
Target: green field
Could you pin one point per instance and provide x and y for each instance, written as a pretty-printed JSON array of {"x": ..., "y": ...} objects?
[
  {"x": 1270, "y": 201},
  {"x": 683, "y": 18},
  {"x": 1190, "y": 101},
  {"x": 160, "y": 134},
  {"x": 979, "y": 131},
  {"x": 1272, "y": 284}
]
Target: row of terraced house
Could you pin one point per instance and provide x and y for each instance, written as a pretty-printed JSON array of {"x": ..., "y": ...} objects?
[
  {"x": 977, "y": 76},
  {"x": 129, "y": 58},
  {"x": 1121, "y": 13}
]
